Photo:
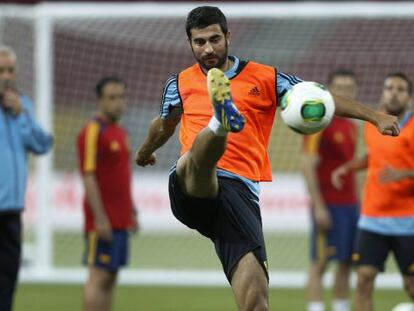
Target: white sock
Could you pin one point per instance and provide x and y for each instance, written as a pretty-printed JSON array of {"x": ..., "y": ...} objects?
[
  {"x": 316, "y": 306},
  {"x": 215, "y": 126},
  {"x": 340, "y": 305}
]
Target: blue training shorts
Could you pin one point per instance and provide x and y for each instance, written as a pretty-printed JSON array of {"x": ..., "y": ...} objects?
[
  {"x": 107, "y": 255},
  {"x": 338, "y": 242}
]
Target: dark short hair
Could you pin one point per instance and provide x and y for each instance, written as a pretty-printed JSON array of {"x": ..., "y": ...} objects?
[
  {"x": 403, "y": 76},
  {"x": 341, "y": 72},
  {"x": 204, "y": 16},
  {"x": 106, "y": 80}
]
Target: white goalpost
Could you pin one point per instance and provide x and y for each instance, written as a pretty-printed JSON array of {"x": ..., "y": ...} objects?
[{"x": 63, "y": 49}]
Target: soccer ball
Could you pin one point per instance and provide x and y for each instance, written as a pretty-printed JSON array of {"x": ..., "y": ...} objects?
[{"x": 307, "y": 107}]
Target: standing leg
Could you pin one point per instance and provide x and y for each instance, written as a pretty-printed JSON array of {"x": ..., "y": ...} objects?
[
  {"x": 250, "y": 285},
  {"x": 404, "y": 255},
  {"x": 345, "y": 219},
  {"x": 409, "y": 286},
  {"x": 315, "y": 287},
  {"x": 98, "y": 291},
  {"x": 319, "y": 249},
  {"x": 341, "y": 287},
  {"x": 365, "y": 287},
  {"x": 240, "y": 245}
]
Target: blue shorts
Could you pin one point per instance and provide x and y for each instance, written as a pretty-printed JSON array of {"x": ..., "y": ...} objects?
[
  {"x": 107, "y": 255},
  {"x": 338, "y": 242}
]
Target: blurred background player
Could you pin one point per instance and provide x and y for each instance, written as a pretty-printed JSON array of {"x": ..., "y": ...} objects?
[
  {"x": 387, "y": 215},
  {"x": 104, "y": 155},
  {"x": 19, "y": 135},
  {"x": 214, "y": 187},
  {"x": 334, "y": 212}
]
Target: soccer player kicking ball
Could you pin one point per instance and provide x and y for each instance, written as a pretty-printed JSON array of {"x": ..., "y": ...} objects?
[
  {"x": 214, "y": 186},
  {"x": 387, "y": 216}
]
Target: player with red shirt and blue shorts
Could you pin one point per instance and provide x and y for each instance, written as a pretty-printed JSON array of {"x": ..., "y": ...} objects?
[
  {"x": 104, "y": 156},
  {"x": 334, "y": 212}
]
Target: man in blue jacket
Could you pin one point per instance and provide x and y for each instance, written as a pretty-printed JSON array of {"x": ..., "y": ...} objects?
[{"x": 19, "y": 134}]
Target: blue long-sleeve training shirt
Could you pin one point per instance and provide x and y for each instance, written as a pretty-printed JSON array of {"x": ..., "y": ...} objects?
[{"x": 18, "y": 135}]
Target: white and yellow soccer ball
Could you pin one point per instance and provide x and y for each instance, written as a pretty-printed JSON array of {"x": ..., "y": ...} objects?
[{"x": 307, "y": 107}]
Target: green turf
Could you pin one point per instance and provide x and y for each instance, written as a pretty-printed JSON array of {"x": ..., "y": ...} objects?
[
  {"x": 179, "y": 250},
  {"x": 286, "y": 251},
  {"x": 35, "y": 297}
]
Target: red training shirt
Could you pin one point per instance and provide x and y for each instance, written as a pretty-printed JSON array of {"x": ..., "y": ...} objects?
[
  {"x": 103, "y": 150},
  {"x": 335, "y": 145}
]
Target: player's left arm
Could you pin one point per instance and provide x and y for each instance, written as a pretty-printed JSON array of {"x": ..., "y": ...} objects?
[{"x": 348, "y": 108}]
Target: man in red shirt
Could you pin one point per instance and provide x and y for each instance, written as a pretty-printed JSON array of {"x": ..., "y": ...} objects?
[
  {"x": 334, "y": 212},
  {"x": 104, "y": 155}
]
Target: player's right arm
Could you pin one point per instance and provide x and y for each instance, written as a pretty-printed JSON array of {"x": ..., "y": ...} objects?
[
  {"x": 159, "y": 132},
  {"x": 346, "y": 168},
  {"x": 93, "y": 195},
  {"x": 163, "y": 126},
  {"x": 87, "y": 150},
  {"x": 310, "y": 162}
]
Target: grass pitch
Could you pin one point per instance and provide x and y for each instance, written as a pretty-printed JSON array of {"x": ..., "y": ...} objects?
[{"x": 35, "y": 297}]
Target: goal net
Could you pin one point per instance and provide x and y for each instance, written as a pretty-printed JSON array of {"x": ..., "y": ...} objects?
[{"x": 63, "y": 50}]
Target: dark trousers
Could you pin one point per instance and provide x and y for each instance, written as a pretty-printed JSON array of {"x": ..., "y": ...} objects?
[{"x": 10, "y": 249}]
